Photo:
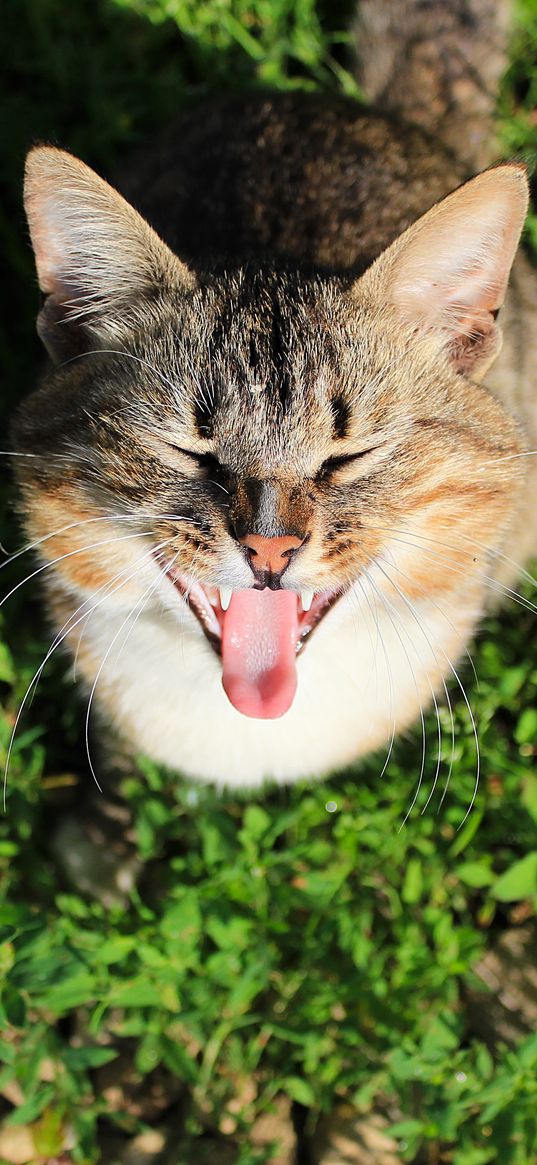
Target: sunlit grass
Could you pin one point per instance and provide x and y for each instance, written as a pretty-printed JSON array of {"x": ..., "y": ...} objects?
[{"x": 304, "y": 940}]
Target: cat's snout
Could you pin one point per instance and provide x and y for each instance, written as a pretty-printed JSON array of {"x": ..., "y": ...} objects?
[
  {"x": 270, "y": 557},
  {"x": 270, "y": 520}
]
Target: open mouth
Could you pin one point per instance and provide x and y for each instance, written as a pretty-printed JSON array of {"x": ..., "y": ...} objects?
[{"x": 258, "y": 635}]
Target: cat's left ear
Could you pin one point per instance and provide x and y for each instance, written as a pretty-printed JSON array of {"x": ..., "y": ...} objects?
[
  {"x": 446, "y": 276},
  {"x": 101, "y": 266}
]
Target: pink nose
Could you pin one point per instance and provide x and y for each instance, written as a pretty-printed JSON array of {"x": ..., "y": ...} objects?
[{"x": 271, "y": 555}]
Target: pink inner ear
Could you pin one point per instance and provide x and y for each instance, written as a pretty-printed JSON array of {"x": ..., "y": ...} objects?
[
  {"x": 471, "y": 307},
  {"x": 89, "y": 243},
  {"x": 454, "y": 263},
  {"x": 434, "y": 291},
  {"x": 47, "y": 257},
  {"x": 48, "y": 261},
  {"x": 478, "y": 288}
]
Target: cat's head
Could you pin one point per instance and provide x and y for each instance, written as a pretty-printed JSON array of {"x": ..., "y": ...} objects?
[{"x": 249, "y": 448}]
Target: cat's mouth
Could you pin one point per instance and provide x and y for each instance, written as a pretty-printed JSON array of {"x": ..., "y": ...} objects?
[{"x": 258, "y": 635}]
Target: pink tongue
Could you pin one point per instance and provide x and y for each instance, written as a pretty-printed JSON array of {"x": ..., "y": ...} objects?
[{"x": 259, "y": 652}]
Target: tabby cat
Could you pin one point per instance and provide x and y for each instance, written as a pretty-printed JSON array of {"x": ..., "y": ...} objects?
[{"x": 277, "y": 470}]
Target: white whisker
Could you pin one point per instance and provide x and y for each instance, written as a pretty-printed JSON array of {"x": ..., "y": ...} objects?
[
  {"x": 10, "y": 453},
  {"x": 508, "y": 457},
  {"x": 61, "y": 635},
  {"x": 144, "y": 601},
  {"x": 441, "y": 611},
  {"x": 71, "y": 554},
  {"x": 492, "y": 584},
  {"x": 475, "y": 735},
  {"x": 410, "y": 607},
  {"x": 146, "y": 595},
  {"x": 125, "y": 355},
  {"x": 87, "y": 521},
  {"x": 413, "y": 612},
  {"x": 380, "y": 638},
  {"x": 422, "y": 717}
]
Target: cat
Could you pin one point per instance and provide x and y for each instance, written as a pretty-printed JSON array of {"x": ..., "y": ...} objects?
[{"x": 277, "y": 470}]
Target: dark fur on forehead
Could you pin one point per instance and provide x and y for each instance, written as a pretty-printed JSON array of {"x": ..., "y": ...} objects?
[
  {"x": 243, "y": 344},
  {"x": 341, "y": 410},
  {"x": 268, "y": 334}
]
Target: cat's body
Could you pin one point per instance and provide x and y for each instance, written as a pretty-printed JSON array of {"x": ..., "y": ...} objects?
[{"x": 334, "y": 427}]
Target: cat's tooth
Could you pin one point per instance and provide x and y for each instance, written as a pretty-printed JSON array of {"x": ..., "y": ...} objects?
[
  {"x": 307, "y": 598},
  {"x": 225, "y": 597}
]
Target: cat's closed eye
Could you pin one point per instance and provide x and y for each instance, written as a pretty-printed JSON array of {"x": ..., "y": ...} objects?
[
  {"x": 195, "y": 459},
  {"x": 332, "y": 466},
  {"x": 192, "y": 454},
  {"x": 347, "y": 461}
]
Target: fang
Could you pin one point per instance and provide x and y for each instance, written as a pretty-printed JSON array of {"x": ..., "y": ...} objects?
[
  {"x": 306, "y": 598},
  {"x": 225, "y": 597}
]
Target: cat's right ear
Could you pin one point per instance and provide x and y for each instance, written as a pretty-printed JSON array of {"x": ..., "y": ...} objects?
[
  {"x": 446, "y": 276},
  {"x": 99, "y": 263}
]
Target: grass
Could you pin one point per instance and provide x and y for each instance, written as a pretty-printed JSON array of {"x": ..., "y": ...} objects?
[{"x": 302, "y": 943}]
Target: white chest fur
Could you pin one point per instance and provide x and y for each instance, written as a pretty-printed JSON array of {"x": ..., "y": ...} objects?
[{"x": 361, "y": 678}]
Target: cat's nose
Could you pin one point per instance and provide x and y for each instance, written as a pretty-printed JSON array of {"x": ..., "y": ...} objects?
[{"x": 269, "y": 557}]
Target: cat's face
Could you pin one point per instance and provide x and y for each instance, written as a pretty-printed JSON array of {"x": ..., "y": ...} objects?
[{"x": 250, "y": 448}]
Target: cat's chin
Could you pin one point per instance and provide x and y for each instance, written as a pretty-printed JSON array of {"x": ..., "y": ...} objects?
[{"x": 257, "y": 634}]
